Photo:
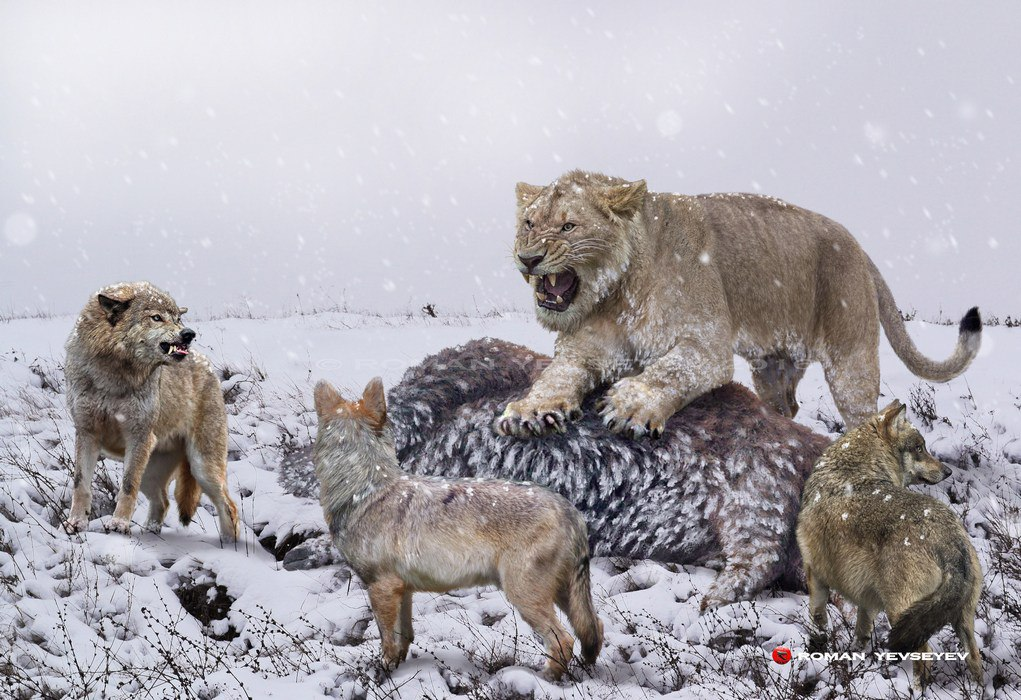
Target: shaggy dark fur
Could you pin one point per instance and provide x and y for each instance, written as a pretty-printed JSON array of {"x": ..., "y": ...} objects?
[{"x": 722, "y": 486}]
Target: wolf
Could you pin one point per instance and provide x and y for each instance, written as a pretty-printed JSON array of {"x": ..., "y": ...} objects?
[
  {"x": 138, "y": 393},
  {"x": 654, "y": 294},
  {"x": 863, "y": 534},
  {"x": 721, "y": 487},
  {"x": 403, "y": 534}
]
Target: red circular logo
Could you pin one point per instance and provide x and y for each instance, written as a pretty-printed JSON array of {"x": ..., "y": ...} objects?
[{"x": 781, "y": 655}]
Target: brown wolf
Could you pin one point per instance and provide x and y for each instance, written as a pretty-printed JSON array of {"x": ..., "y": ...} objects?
[
  {"x": 403, "y": 533},
  {"x": 654, "y": 293},
  {"x": 883, "y": 547},
  {"x": 138, "y": 393}
]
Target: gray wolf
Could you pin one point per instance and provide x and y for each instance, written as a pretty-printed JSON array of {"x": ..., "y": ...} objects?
[
  {"x": 654, "y": 294},
  {"x": 138, "y": 393},
  {"x": 863, "y": 534},
  {"x": 721, "y": 487},
  {"x": 403, "y": 534}
]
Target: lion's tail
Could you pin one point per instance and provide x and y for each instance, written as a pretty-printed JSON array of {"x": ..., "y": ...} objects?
[
  {"x": 186, "y": 492},
  {"x": 968, "y": 340}
]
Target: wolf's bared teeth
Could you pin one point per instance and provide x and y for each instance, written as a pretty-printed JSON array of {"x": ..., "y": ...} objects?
[
  {"x": 560, "y": 299},
  {"x": 539, "y": 296},
  {"x": 526, "y": 277},
  {"x": 552, "y": 277}
]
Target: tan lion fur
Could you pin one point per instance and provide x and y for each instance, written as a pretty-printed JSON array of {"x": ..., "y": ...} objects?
[
  {"x": 668, "y": 287},
  {"x": 162, "y": 415}
]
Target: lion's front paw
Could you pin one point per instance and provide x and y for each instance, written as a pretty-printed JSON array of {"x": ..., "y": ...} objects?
[
  {"x": 118, "y": 525},
  {"x": 533, "y": 419},
  {"x": 633, "y": 408}
]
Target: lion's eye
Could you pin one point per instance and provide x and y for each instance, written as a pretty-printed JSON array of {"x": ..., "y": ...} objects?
[
  {"x": 157, "y": 318},
  {"x": 528, "y": 224},
  {"x": 567, "y": 227}
]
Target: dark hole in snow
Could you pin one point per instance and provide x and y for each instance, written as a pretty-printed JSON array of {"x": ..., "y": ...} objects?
[
  {"x": 207, "y": 602},
  {"x": 280, "y": 549}
]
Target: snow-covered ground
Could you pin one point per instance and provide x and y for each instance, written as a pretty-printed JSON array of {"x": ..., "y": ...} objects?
[{"x": 180, "y": 615}]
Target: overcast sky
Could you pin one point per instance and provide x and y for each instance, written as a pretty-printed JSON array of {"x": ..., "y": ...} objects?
[{"x": 348, "y": 153}]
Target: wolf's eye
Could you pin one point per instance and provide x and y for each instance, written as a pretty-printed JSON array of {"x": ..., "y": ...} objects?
[
  {"x": 528, "y": 224},
  {"x": 567, "y": 227},
  {"x": 157, "y": 318},
  {"x": 918, "y": 449}
]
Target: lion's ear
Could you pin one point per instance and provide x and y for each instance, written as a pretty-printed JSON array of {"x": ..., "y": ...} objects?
[
  {"x": 526, "y": 194},
  {"x": 624, "y": 200}
]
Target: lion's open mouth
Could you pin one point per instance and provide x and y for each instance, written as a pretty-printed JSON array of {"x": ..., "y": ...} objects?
[
  {"x": 178, "y": 351},
  {"x": 556, "y": 290}
]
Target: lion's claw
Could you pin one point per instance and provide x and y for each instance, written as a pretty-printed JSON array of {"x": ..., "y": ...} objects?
[
  {"x": 626, "y": 409},
  {"x": 536, "y": 423}
]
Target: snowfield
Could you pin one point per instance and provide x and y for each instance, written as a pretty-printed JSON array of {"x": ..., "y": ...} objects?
[{"x": 181, "y": 615}]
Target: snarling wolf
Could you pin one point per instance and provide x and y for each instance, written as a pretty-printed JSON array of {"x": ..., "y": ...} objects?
[
  {"x": 863, "y": 534},
  {"x": 654, "y": 294},
  {"x": 138, "y": 393},
  {"x": 403, "y": 533},
  {"x": 721, "y": 486}
]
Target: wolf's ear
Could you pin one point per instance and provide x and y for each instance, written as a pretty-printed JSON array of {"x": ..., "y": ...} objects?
[
  {"x": 623, "y": 200},
  {"x": 113, "y": 308},
  {"x": 893, "y": 418},
  {"x": 182, "y": 310},
  {"x": 526, "y": 194},
  {"x": 327, "y": 399},
  {"x": 374, "y": 404}
]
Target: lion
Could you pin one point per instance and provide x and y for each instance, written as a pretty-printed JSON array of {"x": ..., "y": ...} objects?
[{"x": 654, "y": 294}]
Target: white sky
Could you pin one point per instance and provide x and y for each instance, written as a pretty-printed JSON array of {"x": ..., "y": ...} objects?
[{"x": 346, "y": 152}]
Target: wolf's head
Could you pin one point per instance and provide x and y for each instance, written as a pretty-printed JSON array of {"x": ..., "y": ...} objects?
[
  {"x": 907, "y": 446},
  {"x": 135, "y": 321},
  {"x": 573, "y": 242},
  {"x": 354, "y": 450}
]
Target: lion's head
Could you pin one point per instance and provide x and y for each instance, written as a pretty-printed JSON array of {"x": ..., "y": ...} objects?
[{"x": 574, "y": 242}]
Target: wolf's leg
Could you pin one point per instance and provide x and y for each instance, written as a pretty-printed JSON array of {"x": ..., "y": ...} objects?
[
  {"x": 405, "y": 633},
  {"x": 529, "y": 591},
  {"x": 854, "y": 382},
  {"x": 818, "y": 598},
  {"x": 207, "y": 456},
  {"x": 776, "y": 380},
  {"x": 136, "y": 458},
  {"x": 385, "y": 596},
  {"x": 86, "y": 454},
  {"x": 161, "y": 468},
  {"x": 863, "y": 625},
  {"x": 641, "y": 405},
  {"x": 965, "y": 630},
  {"x": 209, "y": 468}
]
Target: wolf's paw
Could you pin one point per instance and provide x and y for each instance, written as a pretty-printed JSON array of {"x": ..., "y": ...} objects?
[
  {"x": 153, "y": 526},
  {"x": 533, "y": 419},
  {"x": 635, "y": 409},
  {"x": 118, "y": 525},
  {"x": 76, "y": 523}
]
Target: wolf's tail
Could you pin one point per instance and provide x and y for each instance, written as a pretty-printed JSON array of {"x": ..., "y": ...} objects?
[
  {"x": 186, "y": 492},
  {"x": 968, "y": 340},
  {"x": 941, "y": 607},
  {"x": 582, "y": 612}
]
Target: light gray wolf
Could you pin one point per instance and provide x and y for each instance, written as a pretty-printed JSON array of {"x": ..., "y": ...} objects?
[
  {"x": 863, "y": 534},
  {"x": 721, "y": 488},
  {"x": 139, "y": 394},
  {"x": 654, "y": 293},
  {"x": 403, "y": 533}
]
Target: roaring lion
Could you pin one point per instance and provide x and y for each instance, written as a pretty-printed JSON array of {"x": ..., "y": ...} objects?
[{"x": 655, "y": 293}]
